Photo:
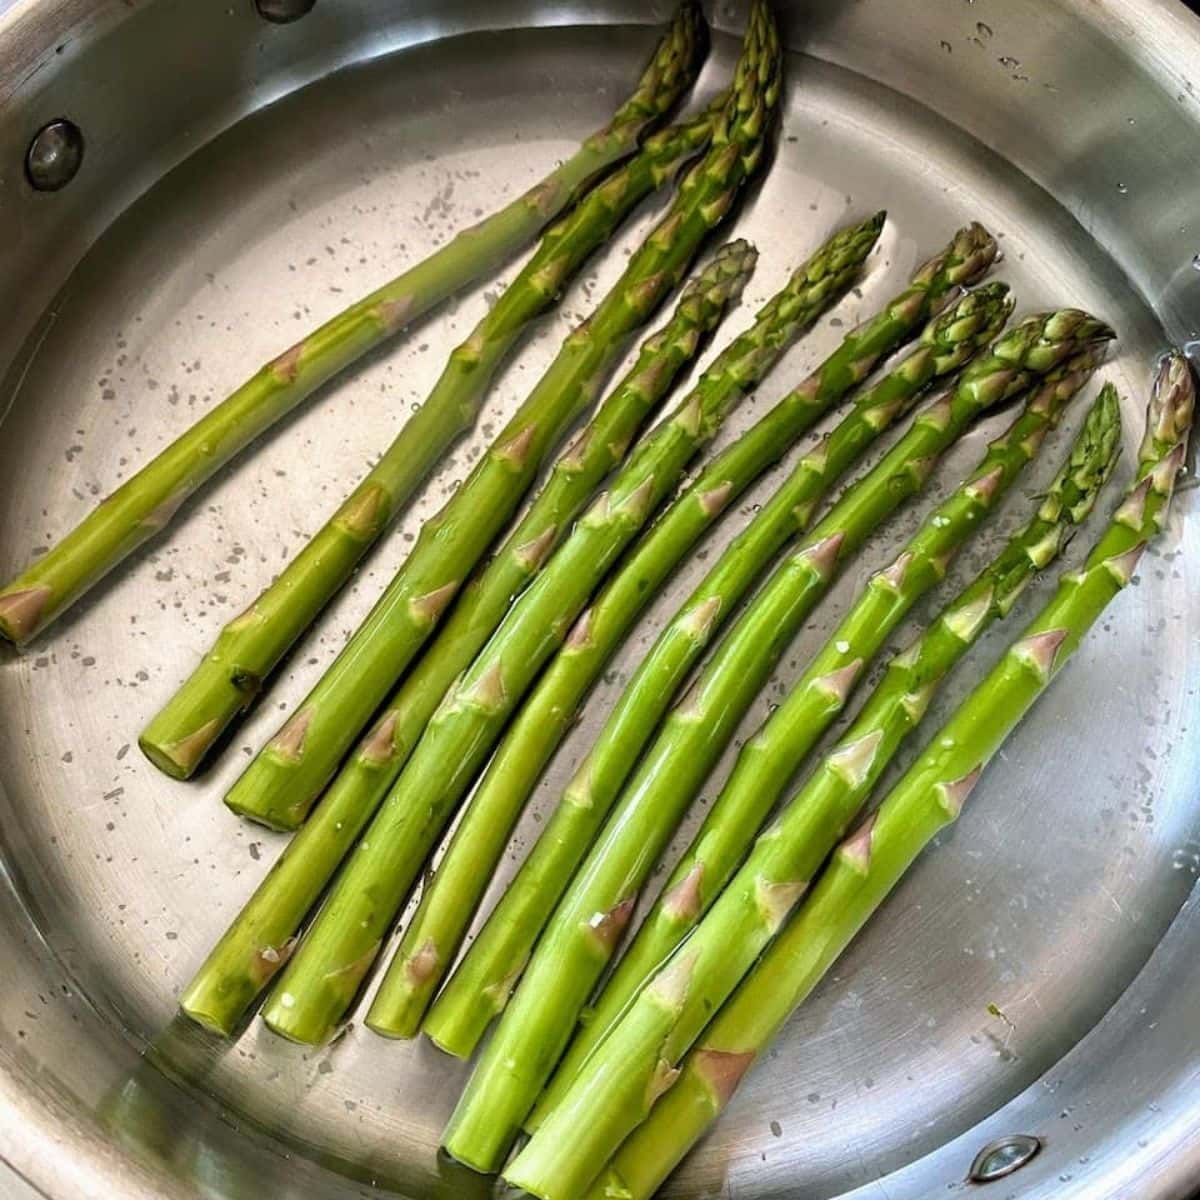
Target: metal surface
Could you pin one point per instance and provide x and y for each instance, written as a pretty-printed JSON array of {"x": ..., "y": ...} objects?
[{"x": 1065, "y": 896}]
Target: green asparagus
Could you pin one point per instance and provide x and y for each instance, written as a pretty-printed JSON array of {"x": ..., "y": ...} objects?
[
  {"x": 145, "y": 504},
  {"x": 929, "y": 797},
  {"x": 233, "y": 974},
  {"x": 317, "y": 987},
  {"x": 481, "y": 985},
  {"x": 280, "y": 785},
  {"x": 235, "y": 669},
  {"x": 449, "y": 902},
  {"x": 650, "y": 1016},
  {"x": 255, "y": 945},
  {"x": 588, "y": 924},
  {"x": 770, "y": 757}
]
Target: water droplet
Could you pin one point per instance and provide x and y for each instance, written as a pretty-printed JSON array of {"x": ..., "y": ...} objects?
[
  {"x": 984, "y": 30},
  {"x": 1196, "y": 262},
  {"x": 1006, "y": 60},
  {"x": 1123, "y": 189},
  {"x": 1131, "y": 120},
  {"x": 949, "y": 49}
]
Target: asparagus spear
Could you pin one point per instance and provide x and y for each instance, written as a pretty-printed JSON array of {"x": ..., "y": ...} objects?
[
  {"x": 772, "y": 756},
  {"x": 322, "y": 979},
  {"x": 256, "y": 943},
  {"x": 587, "y": 925},
  {"x": 146, "y": 503},
  {"x": 481, "y": 985},
  {"x": 449, "y": 902},
  {"x": 614, "y": 1072},
  {"x": 234, "y": 670},
  {"x": 280, "y": 785},
  {"x": 928, "y": 798}
]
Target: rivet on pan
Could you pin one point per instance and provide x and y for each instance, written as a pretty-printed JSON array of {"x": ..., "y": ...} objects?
[
  {"x": 280, "y": 12},
  {"x": 54, "y": 156},
  {"x": 1002, "y": 1157}
]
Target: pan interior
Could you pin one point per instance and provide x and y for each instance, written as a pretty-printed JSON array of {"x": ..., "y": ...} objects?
[{"x": 1044, "y": 902}]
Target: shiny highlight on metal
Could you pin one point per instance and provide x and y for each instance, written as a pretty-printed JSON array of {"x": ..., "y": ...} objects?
[
  {"x": 54, "y": 156},
  {"x": 1002, "y": 1157}
]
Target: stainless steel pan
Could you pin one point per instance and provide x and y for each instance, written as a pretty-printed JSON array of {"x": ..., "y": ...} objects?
[{"x": 239, "y": 180}]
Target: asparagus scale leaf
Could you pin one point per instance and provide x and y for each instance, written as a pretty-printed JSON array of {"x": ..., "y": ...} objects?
[
  {"x": 289, "y": 773},
  {"x": 587, "y": 926},
  {"x": 145, "y": 504},
  {"x": 611, "y": 1079},
  {"x": 930, "y": 796},
  {"x": 258, "y": 941},
  {"x": 480, "y": 986},
  {"x": 235, "y": 669}
]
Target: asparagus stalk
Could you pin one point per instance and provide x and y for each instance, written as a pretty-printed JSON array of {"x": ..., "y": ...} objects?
[
  {"x": 145, "y": 504},
  {"x": 254, "y": 946},
  {"x": 322, "y": 979},
  {"x": 772, "y": 756},
  {"x": 930, "y": 796},
  {"x": 449, "y": 902},
  {"x": 235, "y": 669},
  {"x": 482, "y": 983},
  {"x": 280, "y": 785},
  {"x": 614, "y": 1072},
  {"x": 588, "y": 924}
]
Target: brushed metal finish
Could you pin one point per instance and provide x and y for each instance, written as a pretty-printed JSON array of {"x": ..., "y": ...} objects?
[{"x": 243, "y": 181}]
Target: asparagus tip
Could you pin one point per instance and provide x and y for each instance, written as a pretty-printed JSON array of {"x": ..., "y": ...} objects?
[{"x": 1172, "y": 399}]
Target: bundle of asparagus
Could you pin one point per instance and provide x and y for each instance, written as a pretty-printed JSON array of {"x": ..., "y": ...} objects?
[
  {"x": 737, "y": 931},
  {"x": 235, "y": 669},
  {"x": 608, "y": 1083},
  {"x": 771, "y": 756},
  {"x": 145, "y": 504},
  {"x": 588, "y": 923},
  {"x": 448, "y": 903},
  {"x": 931, "y": 795},
  {"x": 258, "y": 941},
  {"x": 230, "y": 978},
  {"x": 262, "y": 935},
  {"x": 323, "y": 977},
  {"x": 285, "y": 778},
  {"x": 480, "y": 986}
]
